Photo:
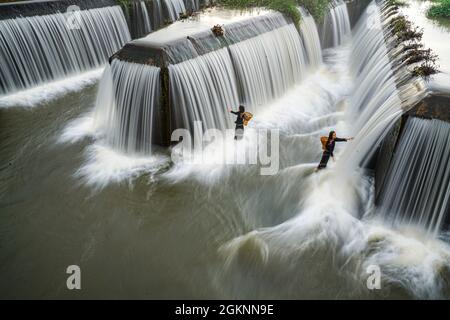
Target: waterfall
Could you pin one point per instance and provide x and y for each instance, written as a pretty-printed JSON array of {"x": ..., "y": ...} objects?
[
  {"x": 268, "y": 65},
  {"x": 311, "y": 39},
  {"x": 417, "y": 189},
  {"x": 157, "y": 10},
  {"x": 193, "y": 5},
  {"x": 174, "y": 8},
  {"x": 127, "y": 104},
  {"x": 252, "y": 72},
  {"x": 378, "y": 99},
  {"x": 35, "y": 50},
  {"x": 203, "y": 84},
  {"x": 336, "y": 25},
  {"x": 202, "y": 89},
  {"x": 140, "y": 20},
  {"x": 145, "y": 18}
]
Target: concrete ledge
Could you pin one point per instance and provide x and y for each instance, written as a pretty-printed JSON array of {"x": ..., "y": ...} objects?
[
  {"x": 436, "y": 106},
  {"x": 193, "y": 37}
]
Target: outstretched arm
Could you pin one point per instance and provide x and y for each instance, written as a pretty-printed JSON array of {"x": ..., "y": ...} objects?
[
  {"x": 343, "y": 139},
  {"x": 233, "y": 112}
]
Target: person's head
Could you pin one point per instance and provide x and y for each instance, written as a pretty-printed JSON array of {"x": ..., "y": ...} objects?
[
  {"x": 241, "y": 109},
  {"x": 332, "y": 135}
]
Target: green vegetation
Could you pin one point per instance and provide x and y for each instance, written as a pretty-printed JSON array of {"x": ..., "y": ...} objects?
[
  {"x": 441, "y": 9},
  {"x": 423, "y": 60},
  {"x": 317, "y": 8},
  {"x": 124, "y": 3},
  {"x": 405, "y": 31}
]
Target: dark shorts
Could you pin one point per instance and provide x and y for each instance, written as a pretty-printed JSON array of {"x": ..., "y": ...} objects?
[{"x": 325, "y": 158}]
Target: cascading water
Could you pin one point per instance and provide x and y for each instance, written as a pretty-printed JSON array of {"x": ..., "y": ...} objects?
[
  {"x": 202, "y": 89},
  {"x": 127, "y": 103},
  {"x": 39, "y": 49},
  {"x": 258, "y": 70},
  {"x": 311, "y": 39},
  {"x": 416, "y": 190},
  {"x": 336, "y": 25},
  {"x": 140, "y": 20},
  {"x": 380, "y": 96},
  {"x": 266, "y": 66},
  {"x": 174, "y": 8},
  {"x": 194, "y": 5},
  {"x": 253, "y": 71}
]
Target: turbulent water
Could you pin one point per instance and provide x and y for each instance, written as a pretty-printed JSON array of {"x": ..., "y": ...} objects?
[{"x": 142, "y": 226}]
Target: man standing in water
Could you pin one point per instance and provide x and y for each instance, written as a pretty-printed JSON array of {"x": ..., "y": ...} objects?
[
  {"x": 328, "y": 149},
  {"x": 239, "y": 122}
]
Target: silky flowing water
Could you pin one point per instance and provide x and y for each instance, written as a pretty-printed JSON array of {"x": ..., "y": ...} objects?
[{"x": 140, "y": 226}]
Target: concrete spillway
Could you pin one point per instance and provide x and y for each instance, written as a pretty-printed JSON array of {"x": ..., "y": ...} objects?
[{"x": 259, "y": 56}]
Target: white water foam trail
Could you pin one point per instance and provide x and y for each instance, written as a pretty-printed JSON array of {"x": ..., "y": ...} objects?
[
  {"x": 105, "y": 166},
  {"x": 50, "y": 91}
]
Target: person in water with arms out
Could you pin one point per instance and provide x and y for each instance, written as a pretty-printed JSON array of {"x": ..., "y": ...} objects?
[
  {"x": 328, "y": 148},
  {"x": 239, "y": 122}
]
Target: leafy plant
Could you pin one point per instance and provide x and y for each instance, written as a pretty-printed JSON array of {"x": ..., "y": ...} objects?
[
  {"x": 414, "y": 53},
  {"x": 440, "y": 9},
  {"x": 405, "y": 31},
  {"x": 125, "y": 4}
]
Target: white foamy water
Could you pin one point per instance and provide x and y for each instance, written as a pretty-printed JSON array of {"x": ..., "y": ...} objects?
[
  {"x": 50, "y": 91},
  {"x": 103, "y": 164},
  {"x": 106, "y": 166},
  {"x": 327, "y": 230}
]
